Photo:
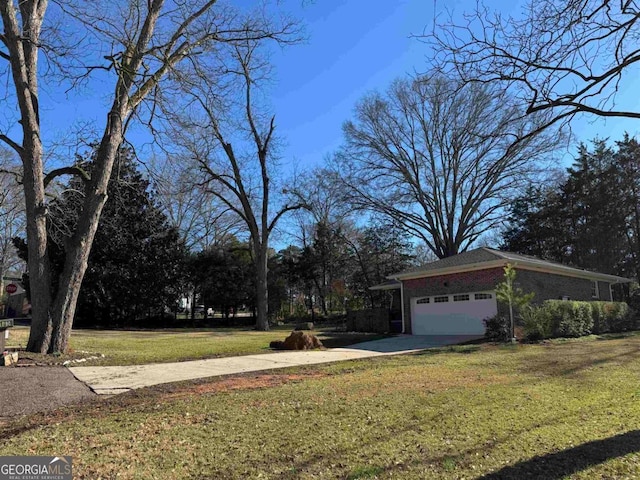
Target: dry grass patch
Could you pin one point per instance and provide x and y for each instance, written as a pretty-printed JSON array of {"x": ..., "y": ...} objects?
[{"x": 249, "y": 382}]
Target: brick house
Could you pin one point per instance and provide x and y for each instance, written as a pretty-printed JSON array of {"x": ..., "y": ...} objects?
[{"x": 454, "y": 295}]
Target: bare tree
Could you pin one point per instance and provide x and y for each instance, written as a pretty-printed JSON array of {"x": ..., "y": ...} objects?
[
  {"x": 235, "y": 152},
  {"x": 440, "y": 158},
  {"x": 11, "y": 215},
  {"x": 131, "y": 44},
  {"x": 567, "y": 56},
  {"x": 322, "y": 195},
  {"x": 201, "y": 218}
]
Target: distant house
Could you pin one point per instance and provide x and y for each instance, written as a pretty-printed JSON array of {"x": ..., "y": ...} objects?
[
  {"x": 454, "y": 295},
  {"x": 16, "y": 303}
]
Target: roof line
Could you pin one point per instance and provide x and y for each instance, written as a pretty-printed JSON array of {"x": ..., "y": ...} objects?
[{"x": 502, "y": 258}]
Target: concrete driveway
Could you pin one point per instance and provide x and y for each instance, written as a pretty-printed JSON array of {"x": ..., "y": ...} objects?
[
  {"x": 113, "y": 380},
  {"x": 409, "y": 343}
]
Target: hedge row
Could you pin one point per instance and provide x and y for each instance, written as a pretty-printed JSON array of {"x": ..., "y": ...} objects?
[{"x": 562, "y": 318}]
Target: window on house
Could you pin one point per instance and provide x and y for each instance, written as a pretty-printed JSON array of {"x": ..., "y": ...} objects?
[
  {"x": 423, "y": 300},
  {"x": 483, "y": 296},
  {"x": 594, "y": 290},
  {"x": 441, "y": 299},
  {"x": 461, "y": 298}
]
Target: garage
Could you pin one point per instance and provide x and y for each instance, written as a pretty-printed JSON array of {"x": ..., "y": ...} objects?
[{"x": 455, "y": 314}]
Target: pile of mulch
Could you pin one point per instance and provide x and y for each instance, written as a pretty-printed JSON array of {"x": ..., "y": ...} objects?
[{"x": 297, "y": 340}]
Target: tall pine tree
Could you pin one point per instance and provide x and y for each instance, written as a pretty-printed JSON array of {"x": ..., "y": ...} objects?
[{"x": 590, "y": 220}]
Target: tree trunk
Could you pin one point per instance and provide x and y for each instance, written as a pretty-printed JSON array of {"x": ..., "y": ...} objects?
[
  {"x": 21, "y": 36},
  {"x": 313, "y": 312},
  {"x": 262, "y": 291},
  {"x": 79, "y": 246},
  {"x": 38, "y": 259},
  {"x": 192, "y": 312}
]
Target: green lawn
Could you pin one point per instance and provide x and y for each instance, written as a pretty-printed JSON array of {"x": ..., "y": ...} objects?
[
  {"x": 562, "y": 410},
  {"x": 123, "y": 347}
]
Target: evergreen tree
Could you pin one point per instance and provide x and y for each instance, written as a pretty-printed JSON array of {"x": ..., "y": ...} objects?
[
  {"x": 224, "y": 277},
  {"x": 592, "y": 198},
  {"x": 136, "y": 265},
  {"x": 628, "y": 158},
  {"x": 589, "y": 219},
  {"x": 536, "y": 225}
]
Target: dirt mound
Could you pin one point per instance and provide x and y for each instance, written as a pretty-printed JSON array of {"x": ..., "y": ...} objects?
[{"x": 301, "y": 341}]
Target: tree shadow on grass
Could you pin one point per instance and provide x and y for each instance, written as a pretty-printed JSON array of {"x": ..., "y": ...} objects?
[
  {"x": 307, "y": 464},
  {"x": 573, "y": 460},
  {"x": 575, "y": 363}
]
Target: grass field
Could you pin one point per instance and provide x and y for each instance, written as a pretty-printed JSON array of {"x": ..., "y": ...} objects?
[
  {"x": 561, "y": 410},
  {"x": 125, "y": 347}
]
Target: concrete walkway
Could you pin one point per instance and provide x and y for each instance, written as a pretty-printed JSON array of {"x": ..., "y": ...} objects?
[{"x": 113, "y": 380}]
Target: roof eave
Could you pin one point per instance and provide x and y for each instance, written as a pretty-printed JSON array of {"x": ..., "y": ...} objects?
[
  {"x": 521, "y": 263},
  {"x": 386, "y": 287},
  {"x": 569, "y": 271},
  {"x": 449, "y": 270}
]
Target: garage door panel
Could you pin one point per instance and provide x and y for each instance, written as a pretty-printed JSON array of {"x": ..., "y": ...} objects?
[
  {"x": 452, "y": 318},
  {"x": 450, "y": 324}
]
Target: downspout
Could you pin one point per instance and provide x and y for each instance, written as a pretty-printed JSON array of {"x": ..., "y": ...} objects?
[{"x": 402, "y": 304}]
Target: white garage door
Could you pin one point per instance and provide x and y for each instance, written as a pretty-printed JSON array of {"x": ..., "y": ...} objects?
[{"x": 459, "y": 314}]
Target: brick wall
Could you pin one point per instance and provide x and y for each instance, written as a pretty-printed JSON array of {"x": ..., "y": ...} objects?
[
  {"x": 545, "y": 286},
  {"x": 605, "y": 291}
]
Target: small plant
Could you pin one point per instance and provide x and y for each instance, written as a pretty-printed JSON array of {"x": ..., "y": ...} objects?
[
  {"x": 368, "y": 471},
  {"x": 449, "y": 464},
  {"x": 512, "y": 296}
]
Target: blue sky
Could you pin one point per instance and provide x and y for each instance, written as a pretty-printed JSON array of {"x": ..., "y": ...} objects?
[{"x": 355, "y": 46}]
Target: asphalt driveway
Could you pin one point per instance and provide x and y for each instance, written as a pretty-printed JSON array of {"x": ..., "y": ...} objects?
[
  {"x": 26, "y": 390},
  {"x": 113, "y": 380}
]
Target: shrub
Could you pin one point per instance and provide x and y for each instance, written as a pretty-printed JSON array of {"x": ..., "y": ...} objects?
[
  {"x": 612, "y": 317},
  {"x": 562, "y": 318},
  {"x": 538, "y": 324},
  {"x": 497, "y": 328},
  {"x": 569, "y": 318},
  {"x": 575, "y": 319},
  {"x": 634, "y": 308},
  {"x": 600, "y": 323},
  {"x": 619, "y": 317}
]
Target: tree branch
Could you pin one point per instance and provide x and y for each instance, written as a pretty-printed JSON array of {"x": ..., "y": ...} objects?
[
  {"x": 285, "y": 209},
  {"x": 75, "y": 170},
  {"x": 15, "y": 146}
]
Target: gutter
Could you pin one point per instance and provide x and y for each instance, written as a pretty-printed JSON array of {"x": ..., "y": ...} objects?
[{"x": 402, "y": 305}]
